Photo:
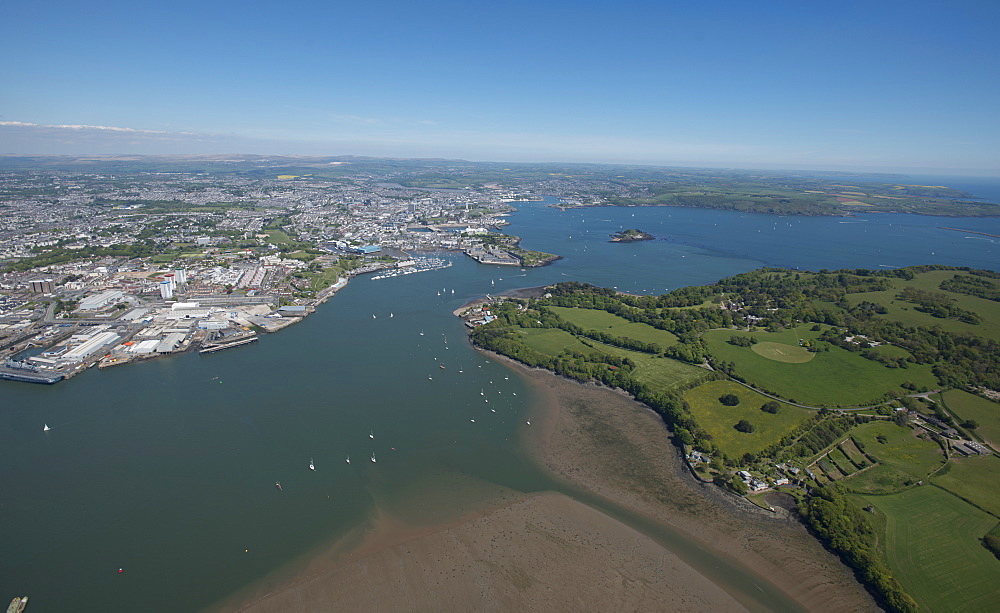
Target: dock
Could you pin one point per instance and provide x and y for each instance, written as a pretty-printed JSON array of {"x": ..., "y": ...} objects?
[{"x": 220, "y": 347}]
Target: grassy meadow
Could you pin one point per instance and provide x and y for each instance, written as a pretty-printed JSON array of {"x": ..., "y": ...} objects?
[
  {"x": 718, "y": 419},
  {"x": 602, "y": 321},
  {"x": 930, "y": 281},
  {"x": 976, "y": 479},
  {"x": 834, "y": 377},
  {"x": 902, "y": 458},
  {"x": 932, "y": 546},
  {"x": 552, "y": 341},
  {"x": 659, "y": 373}
]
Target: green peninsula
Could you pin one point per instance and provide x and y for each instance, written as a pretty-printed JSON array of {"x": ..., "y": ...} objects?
[{"x": 869, "y": 397}]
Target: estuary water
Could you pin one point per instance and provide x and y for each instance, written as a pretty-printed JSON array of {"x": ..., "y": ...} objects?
[{"x": 166, "y": 470}]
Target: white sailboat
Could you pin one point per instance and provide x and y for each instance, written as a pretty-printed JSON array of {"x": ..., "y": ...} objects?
[
  {"x": 371, "y": 434},
  {"x": 421, "y": 333},
  {"x": 312, "y": 466},
  {"x": 348, "y": 459},
  {"x": 46, "y": 428},
  {"x": 373, "y": 316},
  {"x": 390, "y": 314},
  {"x": 373, "y": 457}
]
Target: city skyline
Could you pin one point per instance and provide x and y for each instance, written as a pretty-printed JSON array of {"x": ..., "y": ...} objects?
[{"x": 854, "y": 87}]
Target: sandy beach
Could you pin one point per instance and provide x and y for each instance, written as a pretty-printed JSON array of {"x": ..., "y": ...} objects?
[{"x": 550, "y": 552}]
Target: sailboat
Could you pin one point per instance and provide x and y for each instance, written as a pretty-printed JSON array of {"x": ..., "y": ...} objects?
[
  {"x": 373, "y": 457},
  {"x": 348, "y": 459},
  {"x": 421, "y": 333},
  {"x": 453, "y": 291},
  {"x": 390, "y": 314},
  {"x": 371, "y": 434},
  {"x": 277, "y": 484},
  {"x": 312, "y": 466},
  {"x": 373, "y": 316},
  {"x": 46, "y": 428}
]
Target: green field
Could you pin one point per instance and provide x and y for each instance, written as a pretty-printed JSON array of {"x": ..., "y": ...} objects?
[
  {"x": 659, "y": 373},
  {"x": 835, "y": 377},
  {"x": 780, "y": 352},
  {"x": 902, "y": 458},
  {"x": 718, "y": 419},
  {"x": 932, "y": 546},
  {"x": 552, "y": 341},
  {"x": 602, "y": 321},
  {"x": 983, "y": 411},
  {"x": 930, "y": 281},
  {"x": 278, "y": 237},
  {"x": 977, "y": 479}
]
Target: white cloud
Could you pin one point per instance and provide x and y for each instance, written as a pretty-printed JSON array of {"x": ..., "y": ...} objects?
[{"x": 83, "y": 127}]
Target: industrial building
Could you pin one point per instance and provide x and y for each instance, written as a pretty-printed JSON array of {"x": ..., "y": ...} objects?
[
  {"x": 99, "y": 301},
  {"x": 93, "y": 344},
  {"x": 170, "y": 343}
]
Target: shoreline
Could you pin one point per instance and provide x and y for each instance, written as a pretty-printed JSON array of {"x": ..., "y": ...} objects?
[
  {"x": 655, "y": 483},
  {"x": 545, "y": 550}
]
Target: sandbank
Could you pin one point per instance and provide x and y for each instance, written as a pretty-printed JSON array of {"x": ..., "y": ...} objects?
[{"x": 550, "y": 552}]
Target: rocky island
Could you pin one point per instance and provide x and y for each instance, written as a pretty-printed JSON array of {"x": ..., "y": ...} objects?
[{"x": 630, "y": 236}]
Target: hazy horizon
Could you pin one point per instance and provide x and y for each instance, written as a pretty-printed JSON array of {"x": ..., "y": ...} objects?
[{"x": 892, "y": 87}]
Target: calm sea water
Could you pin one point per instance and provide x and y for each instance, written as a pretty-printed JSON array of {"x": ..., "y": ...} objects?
[{"x": 166, "y": 469}]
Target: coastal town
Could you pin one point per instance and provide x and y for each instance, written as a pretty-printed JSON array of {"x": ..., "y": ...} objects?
[{"x": 102, "y": 269}]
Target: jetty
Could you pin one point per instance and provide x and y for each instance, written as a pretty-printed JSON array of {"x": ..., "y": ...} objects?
[{"x": 228, "y": 345}]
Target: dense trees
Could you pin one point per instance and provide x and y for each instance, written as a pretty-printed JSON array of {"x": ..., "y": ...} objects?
[
  {"x": 849, "y": 532},
  {"x": 976, "y": 284}
]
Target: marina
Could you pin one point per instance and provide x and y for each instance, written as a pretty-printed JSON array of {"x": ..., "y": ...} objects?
[{"x": 413, "y": 266}]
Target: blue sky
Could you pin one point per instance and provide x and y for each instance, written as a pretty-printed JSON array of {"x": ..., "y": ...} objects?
[{"x": 860, "y": 85}]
